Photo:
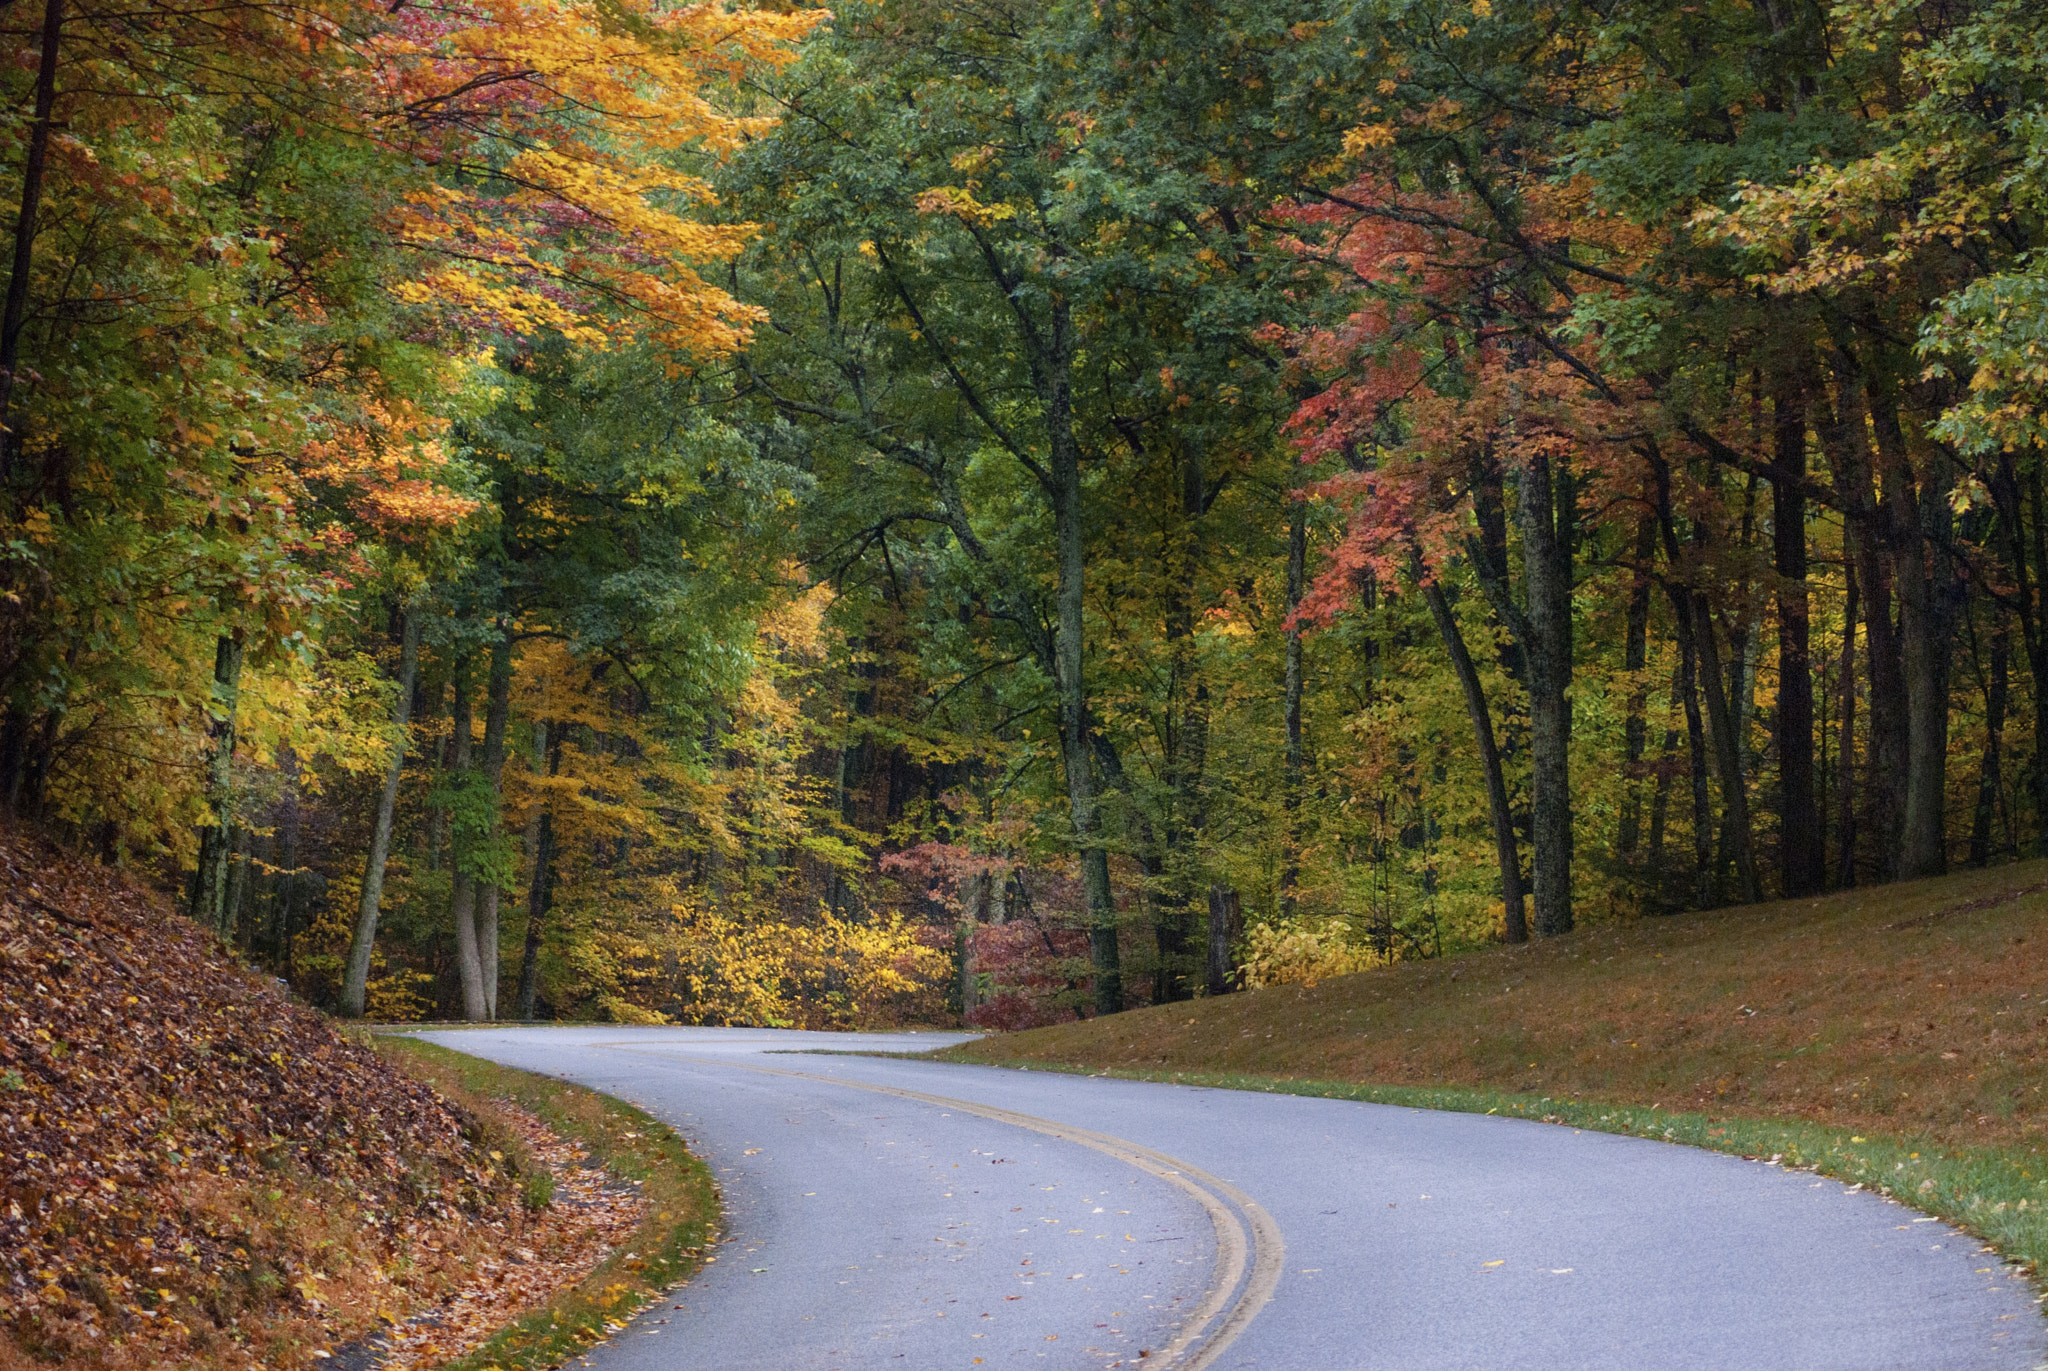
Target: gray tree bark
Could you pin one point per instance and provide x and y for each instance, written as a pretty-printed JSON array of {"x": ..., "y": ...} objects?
[
  {"x": 1296, "y": 772},
  {"x": 1226, "y": 922},
  {"x": 1801, "y": 842},
  {"x": 1989, "y": 775},
  {"x": 1069, "y": 651},
  {"x": 1636, "y": 655},
  {"x": 1506, "y": 849},
  {"x": 1547, "y": 559},
  {"x": 547, "y": 742},
  {"x": 497, "y": 714},
  {"x": 356, "y": 978},
  {"x": 1923, "y": 567},
  {"x": 462, "y": 896}
]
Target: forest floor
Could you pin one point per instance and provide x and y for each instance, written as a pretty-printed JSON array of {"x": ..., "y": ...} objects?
[
  {"x": 197, "y": 1171},
  {"x": 1893, "y": 1035}
]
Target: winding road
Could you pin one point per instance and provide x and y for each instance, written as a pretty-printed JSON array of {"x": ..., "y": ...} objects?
[{"x": 885, "y": 1213}]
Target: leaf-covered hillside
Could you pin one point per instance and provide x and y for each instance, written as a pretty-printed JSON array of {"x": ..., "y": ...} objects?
[{"x": 191, "y": 1161}]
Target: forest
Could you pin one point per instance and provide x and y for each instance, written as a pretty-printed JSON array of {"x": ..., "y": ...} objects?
[{"x": 963, "y": 509}]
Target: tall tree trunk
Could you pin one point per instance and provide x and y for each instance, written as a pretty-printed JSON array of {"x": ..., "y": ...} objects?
[
  {"x": 1845, "y": 759},
  {"x": 1660, "y": 801},
  {"x": 1801, "y": 841},
  {"x": 2027, "y": 562},
  {"x": 1845, "y": 435},
  {"x": 15, "y": 315},
  {"x": 1296, "y": 771},
  {"x": 209, "y": 889},
  {"x": 436, "y": 813},
  {"x": 1225, "y": 919},
  {"x": 1920, "y": 521},
  {"x": 497, "y": 714},
  {"x": 547, "y": 742},
  {"x": 1636, "y": 656},
  {"x": 2037, "y": 649},
  {"x": 1988, "y": 777},
  {"x": 1726, "y": 739},
  {"x": 1187, "y": 752},
  {"x": 1515, "y": 927},
  {"x": 1548, "y": 569},
  {"x": 1700, "y": 661},
  {"x": 356, "y": 978},
  {"x": 1697, "y": 749},
  {"x": 1076, "y": 748},
  {"x": 462, "y": 897}
]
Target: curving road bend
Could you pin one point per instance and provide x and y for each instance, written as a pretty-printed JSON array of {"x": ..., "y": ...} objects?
[{"x": 885, "y": 1213}]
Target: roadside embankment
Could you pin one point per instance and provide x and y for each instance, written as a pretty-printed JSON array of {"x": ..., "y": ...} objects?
[{"x": 197, "y": 1171}]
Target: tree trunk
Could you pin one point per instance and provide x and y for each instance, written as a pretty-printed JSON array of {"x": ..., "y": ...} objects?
[
  {"x": 209, "y": 889},
  {"x": 464, "y": 828},
  {"x": 15, "y": 315},
  {"x": 1845, "y": 435},
  {"x": 1296, "y": 771},
  {"x": 1696, "y": 748},
  {"x": 1547, "y": 563},
  {"x": 1077, "y": 751},
  {"x": 356, "y": 979},
  {"x": 1801, "y": 841},
  {"x": 1515, "y": 928},
  {"x": 497, "y": 714},
  {"x": 238, "y": 882},
  {"x": 1225, "y": 923},
  {"x": 1721, "y": 727},
  {"x": 1173, "y": 874},
  {"x": 1988, "y": 778},
  {"x": 1660, "y": 805},
  {"x": 2010, "y": 505},
  {"x": 1845, "y": 760},
  {"x": 540, "y": 887},
  {"x": 1921, "y": 561},
  {"x": 2037, "y": 648},
  {"x": 1636, "y": 656}
]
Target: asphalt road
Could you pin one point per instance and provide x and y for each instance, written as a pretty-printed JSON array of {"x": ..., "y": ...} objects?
[{"x": 905, "y": 1214}]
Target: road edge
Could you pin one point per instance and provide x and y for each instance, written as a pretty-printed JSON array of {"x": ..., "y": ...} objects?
[{"x": 685, "y": 1216}]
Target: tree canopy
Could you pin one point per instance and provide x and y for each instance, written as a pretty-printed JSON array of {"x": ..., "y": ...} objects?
[{"x": 1013, "y": 511}]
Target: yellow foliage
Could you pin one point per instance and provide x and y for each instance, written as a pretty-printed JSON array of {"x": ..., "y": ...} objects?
[
  {"x": 1302, "y": 952},
  {"x": 961, "y": 205},
  {"x": 834, "y": 973}
]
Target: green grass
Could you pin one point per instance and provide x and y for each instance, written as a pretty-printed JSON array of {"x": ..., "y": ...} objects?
[{"x": 682, "y": 1216}]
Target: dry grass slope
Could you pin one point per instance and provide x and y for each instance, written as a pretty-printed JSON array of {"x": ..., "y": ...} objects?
[{"x": 1918, "y": 1009}]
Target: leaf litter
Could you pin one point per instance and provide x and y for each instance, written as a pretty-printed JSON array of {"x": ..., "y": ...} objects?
[{"x": 198, "y": 1171}]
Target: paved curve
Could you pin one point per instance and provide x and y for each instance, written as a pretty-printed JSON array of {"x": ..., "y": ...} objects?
[{"x": 1125, "y": 1224}]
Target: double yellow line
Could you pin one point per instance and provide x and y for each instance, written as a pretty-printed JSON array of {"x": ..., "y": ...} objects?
[{"x": 1250, "y": 1253}]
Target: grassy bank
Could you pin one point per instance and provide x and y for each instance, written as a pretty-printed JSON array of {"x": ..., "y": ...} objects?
[
  {"x": 1893, "y": 1037},
  {"x": 682, "y": 1202}
]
